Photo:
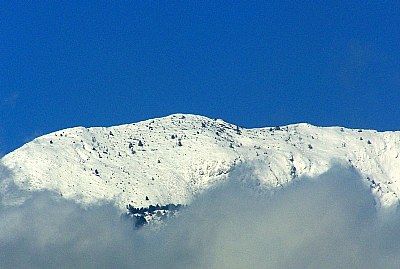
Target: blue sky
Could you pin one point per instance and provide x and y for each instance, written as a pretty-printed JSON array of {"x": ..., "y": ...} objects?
[{"x": 252, "y": 63}]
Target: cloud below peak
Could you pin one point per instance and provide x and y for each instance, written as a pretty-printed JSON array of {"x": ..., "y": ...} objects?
[{"x": 324, "y": 222}]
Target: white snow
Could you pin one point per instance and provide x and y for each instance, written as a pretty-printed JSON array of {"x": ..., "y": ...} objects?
[{"x": 173, "y": 159}]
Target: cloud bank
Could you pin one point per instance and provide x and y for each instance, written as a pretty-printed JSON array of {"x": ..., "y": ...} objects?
[{"x": 324, "y": 222}]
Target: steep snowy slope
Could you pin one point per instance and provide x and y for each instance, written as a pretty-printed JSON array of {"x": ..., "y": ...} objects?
[{"x": 172, "y": 159}]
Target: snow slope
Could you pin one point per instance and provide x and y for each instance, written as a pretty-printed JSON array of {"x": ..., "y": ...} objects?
[{"x": 173, "y": 159}]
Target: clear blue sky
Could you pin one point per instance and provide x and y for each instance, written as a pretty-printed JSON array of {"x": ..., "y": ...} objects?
[{"x": 252, "y": 63}]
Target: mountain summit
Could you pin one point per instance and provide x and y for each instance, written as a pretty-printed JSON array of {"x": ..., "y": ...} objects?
[{"x": 170, "y": 160}]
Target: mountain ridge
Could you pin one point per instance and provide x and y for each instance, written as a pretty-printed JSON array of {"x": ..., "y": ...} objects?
[{"x": 171, "y": 160}]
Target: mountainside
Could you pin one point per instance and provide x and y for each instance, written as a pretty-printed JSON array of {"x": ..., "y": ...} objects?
[{"x": 170, "y": 160}]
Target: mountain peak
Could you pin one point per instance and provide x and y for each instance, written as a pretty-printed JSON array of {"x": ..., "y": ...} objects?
[{"x": 171, "y": 160}]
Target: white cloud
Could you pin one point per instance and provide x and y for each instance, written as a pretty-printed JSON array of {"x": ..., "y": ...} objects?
[{"x": 329, "y": 222}]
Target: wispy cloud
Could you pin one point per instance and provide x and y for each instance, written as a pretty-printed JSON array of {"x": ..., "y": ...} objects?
[
  {"x": 10, "y": 100},
  {"x": 328, "y": 222},
  {"x": 32, "y": 136}
]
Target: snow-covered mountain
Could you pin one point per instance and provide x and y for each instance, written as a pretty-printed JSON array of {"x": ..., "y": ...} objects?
[{"x": 170, "y": 160}]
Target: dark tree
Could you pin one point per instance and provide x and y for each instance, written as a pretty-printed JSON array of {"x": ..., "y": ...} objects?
[
  {"x": 238, "y": 130},
  {"x": 140, "y": 221}
]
